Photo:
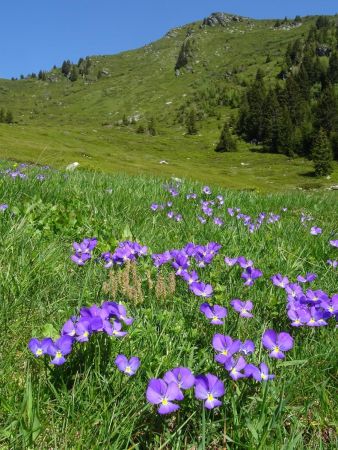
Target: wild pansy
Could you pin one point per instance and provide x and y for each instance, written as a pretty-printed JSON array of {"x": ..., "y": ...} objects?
[
  {"x": 3, "y": 207},
  {"x": 234, "y": 367},
  {"x": 209, "y": 388},
  {"x": 247, "y": 347},
  {"x": 127, "y": 366},
  {"x": 277, "y": 343},
  {"x": 201, "y": 289},
  {"x": 83, "y": 250},
  {"x": 181, "y": 376},
  {"x": 250, "y": 275},
  {"x": 260, "y": 373},
  {"x": 309, "y": 277},
  {"x": 39, "y": 347},
  {"x": 230, "y": 261},
  {"x": 334, "y": 243},
  {"x": 214, "y": 313},
  {"x": 298, "y": 316},
  {"x": 317, "y": 317},
  {"x": 190, "y": 277},
  {"x": 206, "y": 190},
  {"x": 280, "y": 281},
  {"x": 163, "y": 394},
  {"x": 333, "y": 263},
  {"x": 59, "y": 349},
  {"x": 225, "y": 346},
  {"x": 315, "y": 231},
  {"x": 117, "y": 310},
  {"x": 314, "y": 297},
  {"x": 243, "y": 308}
]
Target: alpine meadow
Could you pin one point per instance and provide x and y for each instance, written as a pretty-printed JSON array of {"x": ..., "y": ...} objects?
[{"x": 168, "y": 218}]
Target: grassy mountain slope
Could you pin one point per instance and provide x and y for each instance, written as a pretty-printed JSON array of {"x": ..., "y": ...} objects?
[{"x": 60, "y": 121}]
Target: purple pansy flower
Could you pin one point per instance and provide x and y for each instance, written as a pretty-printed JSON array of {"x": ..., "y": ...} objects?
[
  {"x": 225, "y": 346},
  {"x": 250, "y": 275},
  {"x": 277, "y": 343},
  {"x": 83, "y": 330},
  {"x": 243, "y": 308},
  {"x": 214, "y": 313},
  {"x": 230, "y": 261},
  {"x": 234, "y": 367},
  {"x": 127, "y": 366},
  {"x": 181, "y": 376},
  {"x": 315, "y": 231},
  {"x": 279, "y": 280},
  {"x": 80, "y": 258},
  {"x": 299, "y": 316},
  {"x": 247, "y": 347},
  {"x": 201, "y": 289},
  {"x": 163, "y": 394},
  {"x": 309, "y": 277},
  {"x": 334, "y": 243},
  {"x": 190, "y": 277},
  {"x": 39, "y": 348},
  {"x": 3, "y": 207},
  {"x": 209, "y": 388},
  {"x": 59, "y": 349},
  {"x": 260, "y": 373}
]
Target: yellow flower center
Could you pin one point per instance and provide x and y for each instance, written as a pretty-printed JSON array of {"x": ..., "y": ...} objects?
[
  {"x": 58, "y": 354},
  {"x": 263, "y": 376},
  {"x": 210, "y": 398},
  {"x": 297, "y": 321},
  {"x": 244, "y": 311},
  {"x": 127, "y": 369},
  {"x": 39, "y": 352},
  {"x": 224, "y": 352},
  {"x": 331, "y": 309},
  {"x": 85, "y": 334},
  {"x": 164, "y": 401},
  {"x": 276, "y": 349},
  {"x": 312, "y": 320},
  {"x": 215, "y": 318},
  {"x": 234, "y": 371}
]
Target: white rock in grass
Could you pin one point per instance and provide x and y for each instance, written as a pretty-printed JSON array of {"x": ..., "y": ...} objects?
[{"x": 72, "y": 166}]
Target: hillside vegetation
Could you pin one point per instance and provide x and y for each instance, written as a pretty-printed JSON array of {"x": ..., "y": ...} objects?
[{"x": 129, "y": 112}]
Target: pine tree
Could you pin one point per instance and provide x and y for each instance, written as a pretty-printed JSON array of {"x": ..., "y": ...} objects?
[
  {"x": 227, "y": 142},
  {"x": 326, "y": 114},
  {"x": 322, "y": 154},
  {"x": 74, "y": 73},
  {"x": 151, "y": 127},
  {"x": 191, "y": 123},
  {"x": 251, "y": 115},
  {"x": 332, "y": 72},
  {"x": 66, "y": 67},
  {"x": 9, "y": 117}
]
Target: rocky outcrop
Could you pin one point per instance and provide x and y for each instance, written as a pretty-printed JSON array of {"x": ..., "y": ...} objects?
[
  {"x": 323, "y": 50},
  {"x": 219, "y": 18},
  {"x": 186, "y": 55}
]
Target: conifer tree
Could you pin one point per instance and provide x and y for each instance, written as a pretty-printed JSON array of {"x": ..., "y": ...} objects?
[
  {"x": 333, "y": 68},
  {"x": 227, "y": 142},
  {"x": 191, "y": 123},
  {"x": 151, "y": 127},
  {"x": 322, "y": 154},
  {"x": 66, "y": 67},
  {"x": 327, "y": 110},
  {"x": 74, "y": 73}
]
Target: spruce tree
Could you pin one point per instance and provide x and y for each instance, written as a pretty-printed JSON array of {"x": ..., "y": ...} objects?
[
  {"x": 151, "y": 127},
  {"x": 332, "y": 72},
  {"x": 326, "y": 114},
  {"x": 9, "y": 117},
  {"x": 74, "y": 73},
  {"x": 322, "y": 154},
  {"x": 191, "y": 123},
  {"x": 227, "y": 142},
  {"x": 66, "y": 67}
]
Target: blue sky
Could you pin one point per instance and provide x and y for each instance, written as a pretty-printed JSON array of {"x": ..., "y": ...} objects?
[{"x": 40, "y": 33}]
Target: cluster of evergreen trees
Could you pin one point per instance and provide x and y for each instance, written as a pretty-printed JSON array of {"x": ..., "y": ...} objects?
[
  {"x": 6, "y": 116},
  {"x": 300, "y": 114},
  {"x": 73, "y": 71}
]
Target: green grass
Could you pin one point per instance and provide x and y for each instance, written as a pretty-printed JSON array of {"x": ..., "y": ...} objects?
[
  {"x": 87, "y": 403},
  {"x": 62, "y": 122}
]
